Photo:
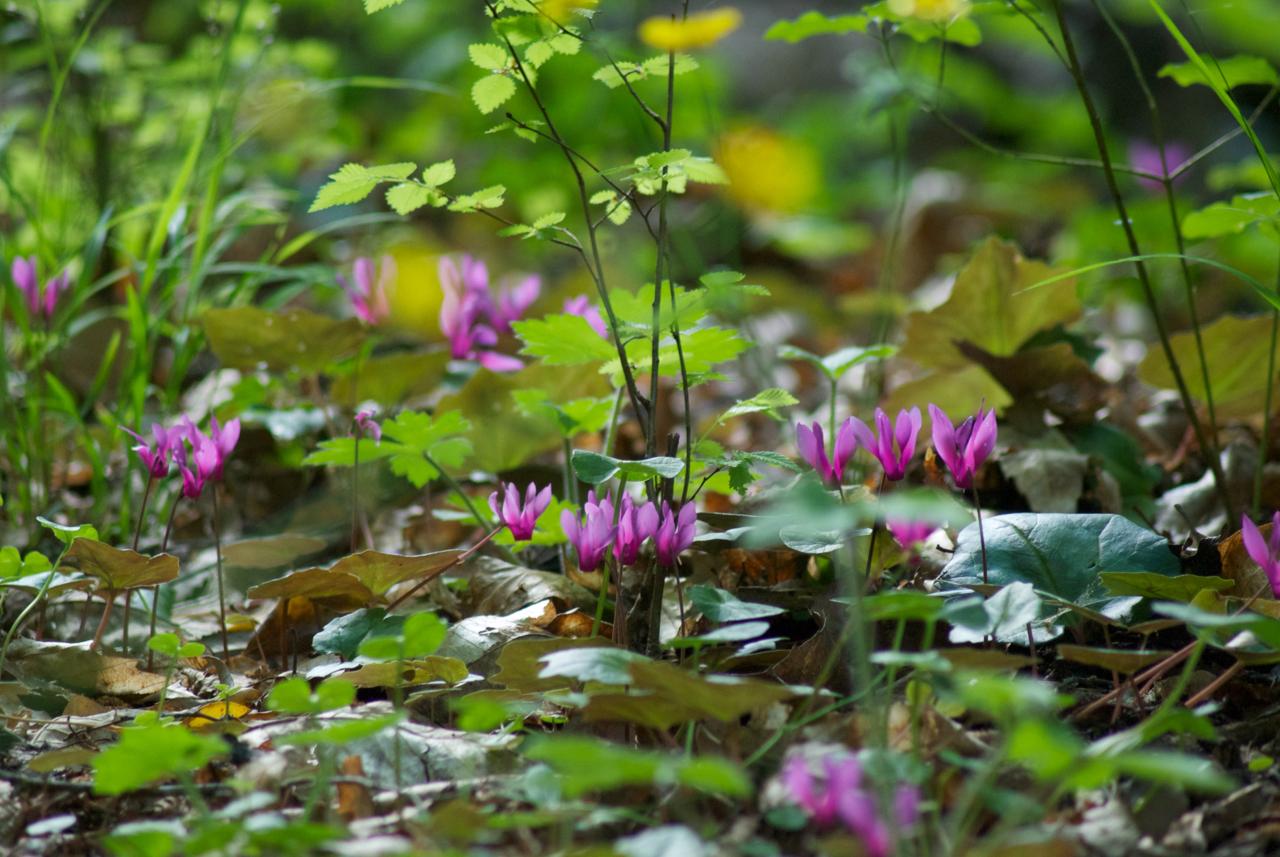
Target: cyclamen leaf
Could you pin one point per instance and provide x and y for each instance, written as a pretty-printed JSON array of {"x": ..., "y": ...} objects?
[
  {"x": 353, "y": 182},
  {"x": 492, "y": 91}
]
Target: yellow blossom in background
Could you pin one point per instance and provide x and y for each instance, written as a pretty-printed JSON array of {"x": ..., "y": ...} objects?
[
  {"x": 415, "y": 294},
  {"x": 562, "y": 11},
  {"x": 699, "y": 30},
  {"x": 768, "y": 172},
  {"x": 938, "y": 11}
]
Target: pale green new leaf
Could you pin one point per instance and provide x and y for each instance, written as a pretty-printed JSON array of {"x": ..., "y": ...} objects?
[
  {"x": 1238, "y": 71},
  {"x": 438, "y": 174},
  {"x": 562, "y": 340},
  {"x": 371, "y": 6},
  {"x": 354, "y": 182},
  {"x": 404, "y": 198},
  {"x": 489, "y": 57},
  {"x": 815, "y": 24},
  {"x": 492, "y": 91}
]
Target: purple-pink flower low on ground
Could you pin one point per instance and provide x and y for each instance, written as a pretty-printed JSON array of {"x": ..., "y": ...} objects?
[
  {"x": 582, "y": 307},
  {"x": 1146, "y": 157},
  {"x": 635, "y": 524},
  {"x": 155, "y": 457},
  {"x": 202, "y": 457},
  {"x": 903, "y": 432},
  {"x": 812, "y": 448},
  {"x": 467, "y": 312},
  {"x": 843, "y": 798},
  {"x": 520, "y": 517},
  {"x": 367, "y": 290},
  {"x": 369, "y": 426},
  {"x": 1265, "y": 552},
  {"x": 910, "y": 534},
  {"x": 592, "y": 536},
  {"x": 965, "y": 447},
  {"x": 39, "y": 302},
  {"x": 675, "y": 533}
]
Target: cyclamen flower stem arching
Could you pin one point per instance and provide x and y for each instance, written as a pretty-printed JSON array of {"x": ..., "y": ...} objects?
[{"x": 982, "y": 537}]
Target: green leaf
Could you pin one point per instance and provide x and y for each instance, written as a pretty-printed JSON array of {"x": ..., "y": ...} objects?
[
  {"x": 489, "y": 57},
  {"x": 404, "y": 198},
  {"x": 606, "y": 665},
  {"x": 718, "y": 605},
  {"x": 588, "y": 765},
  {"x": 439, "y": 173},
  {"x": 147, "y": 754},
  {"x": 492, "y": 91},
  {"x": 815, "y": 24},
  {"x": 68, "y": 533},
  {"x": 1234, "y": 217},
  {"x": 767, "y": 401},
  {"x": 1183, "y": 587},
  {"x": 294, "y": 696},
  {"x": 490, "y": 197},
  {"x": 343, "y": 732},
  {"x": 563, "y": 340},
  {"x": 1008, "y": 613},
  {"x": 616, "y": 74},
  {"x": 1061, "y": 556},
  {"x": 250, "y": 338},
  {"x": 594, "y": 468},
  {"x": 371, "y": 6},
  {"x": 548, "y": 220},
  {"x": 118, "y": 569},
  {"x": 353, "y": 182},
  {"x": 1238, "y": 71}
]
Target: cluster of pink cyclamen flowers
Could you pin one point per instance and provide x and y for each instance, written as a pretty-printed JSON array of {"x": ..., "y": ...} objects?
[
  {"x": 200, "y": 457},
  {"x": 842, "y": 797},
  {"x": 367, "y": 288},
  {"x": 963, "y": 448},
  {"x": 602, "y": 527},
  {"x": 41, "y": 302},
  {"x": 473, "y": 314}
]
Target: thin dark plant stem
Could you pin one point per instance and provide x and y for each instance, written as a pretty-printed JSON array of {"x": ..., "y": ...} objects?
[
  {"x": 871, "y": 543},
  {"x": 1144, "y": 278},
  {"x": 222, "y": 596},
  {"x": 155, "y": 590},
  {"x": 355, "y": 492},
  {"x": 982, "y": 537},
  {"x": 1175, "y": 219},
  {"x": 1264, "y": 446}
]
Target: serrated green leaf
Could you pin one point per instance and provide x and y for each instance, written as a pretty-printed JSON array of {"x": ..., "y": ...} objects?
[
  {"x": 1238, "y": 71},
  {"x": 371, "y": 6},
  {"x": 594, "y": 468},
  {"x": 404, "y": 198},
  {"x": 538, "y": 53},
  {"x": 549, "y": 219},
  {"x": 815, "y": 24},
  {"x": 439, "y": 173},
  {"x": 562, "y": 340},
  {"x": 489, "y": 57},
  {"x": 353, "y": 182},
  {"x": 492, "y": 91},
  {"x": 490, "y": 197}
]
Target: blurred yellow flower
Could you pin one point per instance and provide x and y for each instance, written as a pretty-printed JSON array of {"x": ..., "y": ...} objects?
[
  {"x": 930, "y": 10},
  {"x": 768, "y": 172},
  {"x": 415, "y": 295},
  {"x": 562, "y": 11},
  {"x": 699, "y": 30}
]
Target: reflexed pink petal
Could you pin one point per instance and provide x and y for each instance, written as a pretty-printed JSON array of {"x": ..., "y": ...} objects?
[{"x": 495, "y": 362}]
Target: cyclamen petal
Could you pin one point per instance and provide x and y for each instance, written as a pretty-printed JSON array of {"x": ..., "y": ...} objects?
[{"x": 1264, "y": 552}]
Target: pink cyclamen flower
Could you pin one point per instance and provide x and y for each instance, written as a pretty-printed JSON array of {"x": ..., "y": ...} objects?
[
  {"x": 368, "y": 292},
  {"x": 224, "y": 440},
  {"x": 368, "y": 426},
  {"x": 965, "y": 447},
  {"x": 1146, "y": 157},
  {"x": 39, "y": 302},
  {"x": 155, "y": 457},
  {"x": 675, "y": 533},
  {"x": 1265, "y": 552},
  {"x": 910, "y": 534},
  {"x": 461, "y": 313},
  {"x": 515, "y": 296},
  {"x": 880, "y": 444},
  {"x": 198, "y": 461},
  {"x": 519, "y": 517},
  {"x": 582, "y": 307},
  {"x": 812, "y": 448},
  {"x": 635, "y": 524},
  {"x": 843, "y": 798},
  {"x": 592, "y": 536}
]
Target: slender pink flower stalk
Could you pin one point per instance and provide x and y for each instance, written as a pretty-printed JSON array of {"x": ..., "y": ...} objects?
[
  {"x": 1265, "y": 552},
  {"x": 592, "y": 536},
  {"x": 635, "y": 524},
  {"x": 39, "y": 302},
  {"x": 675, "y": 533},
  {"x": 812, "y": 448},
  {"x": 965, "y": 447},
  {"x": 520, "y": 517},
  {"x": 367, "y": 291},
  {"x": 881, "y": 443}
]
